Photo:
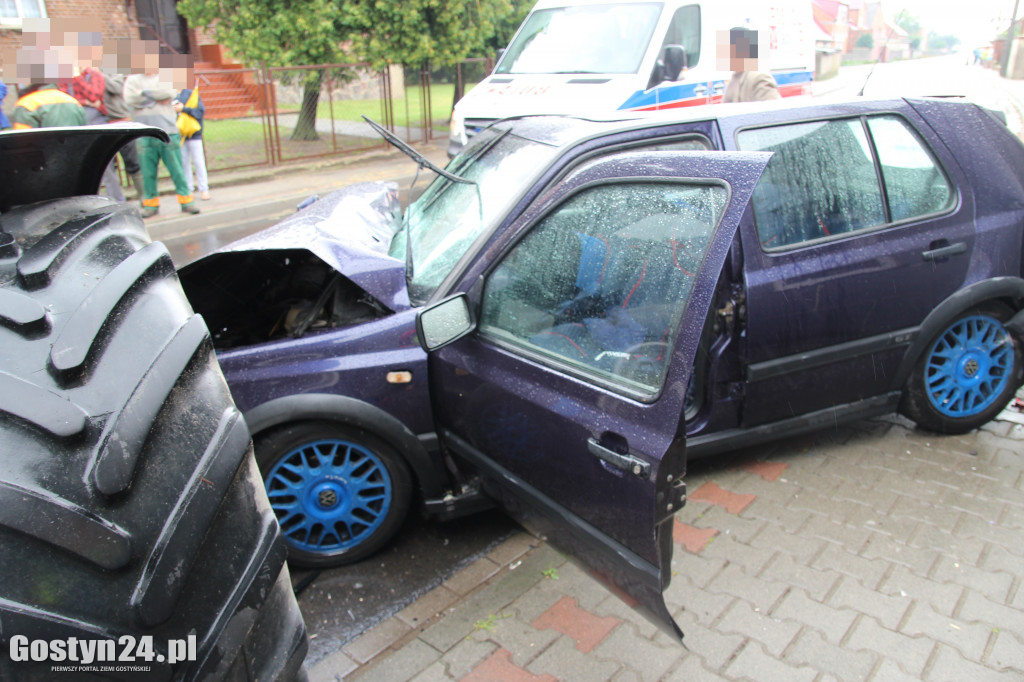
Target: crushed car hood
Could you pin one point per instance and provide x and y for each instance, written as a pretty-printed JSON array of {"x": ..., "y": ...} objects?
[{"x": 349, "y": 229}]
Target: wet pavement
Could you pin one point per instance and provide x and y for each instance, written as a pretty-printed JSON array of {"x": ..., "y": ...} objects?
[
  {"x": 342, "y": 603},
  {"x": 872, "y": 551}
]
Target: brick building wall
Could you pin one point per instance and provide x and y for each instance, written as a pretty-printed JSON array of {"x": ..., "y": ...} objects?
[{"x": 117, "y": 17}]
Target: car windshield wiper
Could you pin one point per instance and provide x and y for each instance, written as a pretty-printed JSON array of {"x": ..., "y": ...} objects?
[
  {"x": 422, "y": 162},
  {"x": 403, "y": 147}
]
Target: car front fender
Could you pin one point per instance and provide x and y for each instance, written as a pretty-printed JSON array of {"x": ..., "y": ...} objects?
[{"x": 356, "y": 413}]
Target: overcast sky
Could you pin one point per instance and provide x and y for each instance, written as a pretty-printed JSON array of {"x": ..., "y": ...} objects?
[{"x": 974, "y": 21}]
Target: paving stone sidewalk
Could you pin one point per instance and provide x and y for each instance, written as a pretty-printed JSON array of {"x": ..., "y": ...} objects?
[{"x": 869, "y": 552}]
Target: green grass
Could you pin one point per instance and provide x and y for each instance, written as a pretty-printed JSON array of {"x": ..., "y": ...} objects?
[
  {"x": 406, "y": 109},
  {"x": 238, "y": 142}
]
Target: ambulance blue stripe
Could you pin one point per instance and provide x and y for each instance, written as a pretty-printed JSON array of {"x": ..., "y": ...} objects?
[{"x": 684, "y": 91}]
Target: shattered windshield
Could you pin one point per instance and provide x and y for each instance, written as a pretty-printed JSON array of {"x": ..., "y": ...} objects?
[{"x": 449, "y": 217}]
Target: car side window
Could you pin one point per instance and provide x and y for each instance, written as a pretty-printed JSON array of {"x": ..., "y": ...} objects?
[
  {"x": 600, "y": 284},
  {"x": 914, "y": 183},
  {"x": 820, "y": 182}
]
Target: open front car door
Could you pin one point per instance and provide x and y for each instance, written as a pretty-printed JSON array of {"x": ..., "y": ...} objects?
[{"x": 568, "y": 398}]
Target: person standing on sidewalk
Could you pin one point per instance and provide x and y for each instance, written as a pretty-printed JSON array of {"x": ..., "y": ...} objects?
[
  {"x": 149, "y": 95},
  {"x": 43, "y": 105},
  {"x": 4, "y": 121},
  {"x": 193, "y": 158},
  {"x": 89, "y": 87},
  {"x": 748, "y": 83},
  {"x": 117, "y": 109}
]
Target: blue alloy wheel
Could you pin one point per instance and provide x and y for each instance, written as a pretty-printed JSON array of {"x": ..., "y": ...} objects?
[
  {"x": 330, "y": 495},
  {"x": 969, "y": 366}
]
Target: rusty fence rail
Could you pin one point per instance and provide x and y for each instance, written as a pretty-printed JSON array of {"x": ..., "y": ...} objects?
[{"x": 272, "y": 115}]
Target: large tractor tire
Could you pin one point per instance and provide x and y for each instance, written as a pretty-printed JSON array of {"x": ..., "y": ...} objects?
[{"x": 131, "y": 508}]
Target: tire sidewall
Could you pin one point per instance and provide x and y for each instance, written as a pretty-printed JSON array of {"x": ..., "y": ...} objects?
[
  {"x": 271, "y": 447},
  {"x": 916, "y": 404}
]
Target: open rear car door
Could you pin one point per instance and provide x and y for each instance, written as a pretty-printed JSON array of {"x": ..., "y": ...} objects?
[{"x": 568, "y": 396}]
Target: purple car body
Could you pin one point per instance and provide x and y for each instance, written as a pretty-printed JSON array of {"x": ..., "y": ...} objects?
[{"x": 612, "y": 297}]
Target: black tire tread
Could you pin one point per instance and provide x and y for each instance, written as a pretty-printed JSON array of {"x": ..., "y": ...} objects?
[
  {"x": 115, "y": 464},
  {"x": 20, "y": 312},
  {"x": 123, "y": 464},
  {"x": 79, "y": 335},
  {"x": 69, "y": 526},
  {"x": 47, "y": 409}
]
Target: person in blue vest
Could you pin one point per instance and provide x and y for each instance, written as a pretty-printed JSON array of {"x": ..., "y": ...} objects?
[{"x": 4, "y": 121}]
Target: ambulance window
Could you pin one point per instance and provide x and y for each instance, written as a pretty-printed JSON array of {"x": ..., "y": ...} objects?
[{"x": 685, "y": 30}]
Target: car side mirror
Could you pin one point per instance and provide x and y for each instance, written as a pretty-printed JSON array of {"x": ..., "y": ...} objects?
[
  {"x": 444, "y": 322},
  {"x": 674, "y": 59}
]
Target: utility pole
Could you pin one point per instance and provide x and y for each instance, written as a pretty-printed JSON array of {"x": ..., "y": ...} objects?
[{"x": 1008, "y": 45}]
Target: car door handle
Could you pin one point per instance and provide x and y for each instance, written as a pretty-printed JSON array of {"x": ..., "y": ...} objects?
[
  {"x": 942, "y": 249},
  {"x": 634, "y": 465},
  {"x": 700, "y": 90}
]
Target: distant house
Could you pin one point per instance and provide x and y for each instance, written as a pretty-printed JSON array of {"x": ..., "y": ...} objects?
[
  {"x": 146, "y": 19},
  {"x": 832, "y": 20},
  {"x": 846, "y": 22}
]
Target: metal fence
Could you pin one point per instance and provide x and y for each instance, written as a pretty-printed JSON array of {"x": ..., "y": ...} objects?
[{"x": 268, "y": 116}]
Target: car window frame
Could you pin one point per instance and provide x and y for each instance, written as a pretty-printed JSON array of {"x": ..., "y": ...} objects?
[
  {"x": 567, "y": 162},
  {"x": 550, "y": 361},
  {"x": 955, "y": 202}
]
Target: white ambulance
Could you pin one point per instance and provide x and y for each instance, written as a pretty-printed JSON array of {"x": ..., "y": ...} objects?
[{"x": 589, "y": 57}]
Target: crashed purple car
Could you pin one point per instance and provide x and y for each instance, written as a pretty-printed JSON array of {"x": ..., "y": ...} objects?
[{"x": 575, "y": 307}]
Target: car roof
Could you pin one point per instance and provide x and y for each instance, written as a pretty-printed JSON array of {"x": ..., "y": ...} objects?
[{"x": 567, "y": 131}]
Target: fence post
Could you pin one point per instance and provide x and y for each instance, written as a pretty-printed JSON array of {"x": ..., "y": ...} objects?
[
  {"x": 266, "y": 113},
  {"x": 425, "y": 102}
]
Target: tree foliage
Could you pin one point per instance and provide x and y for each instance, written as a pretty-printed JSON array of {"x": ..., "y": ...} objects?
[
  {"x": 942, "y": 43},
  {"x": 865, "y": 40},
  {"x": 436, "y": 32},
  {"x": 278, "y": 32},
  {"x": 908, "y": 22},
  {"x": 382, "y": 32}
]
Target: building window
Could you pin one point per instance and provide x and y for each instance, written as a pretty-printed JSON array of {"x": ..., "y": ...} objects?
[{"x": 12, "y": 12}]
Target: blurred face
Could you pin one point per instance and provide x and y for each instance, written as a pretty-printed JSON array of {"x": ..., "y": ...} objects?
[{"x": 737, "y": 50}]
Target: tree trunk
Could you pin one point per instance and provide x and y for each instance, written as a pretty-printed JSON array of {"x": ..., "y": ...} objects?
[{"x": 305, "y": 127}]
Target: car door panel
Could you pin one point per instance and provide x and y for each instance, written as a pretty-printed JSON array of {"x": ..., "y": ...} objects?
[
  {"x": 566, "y": 433},
  {"x": 833, "y": 302}
]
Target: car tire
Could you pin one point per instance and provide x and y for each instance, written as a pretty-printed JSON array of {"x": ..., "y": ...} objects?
[
  {"x": 131, "y": 508},
  {"x": 968, "y": 373},
  {"x": 315, "y": 472}
]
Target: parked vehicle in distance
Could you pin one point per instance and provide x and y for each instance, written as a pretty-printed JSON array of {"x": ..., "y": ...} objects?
[
  {"x": 577, "y": 306},
  {"x": 666, "y": 55}
]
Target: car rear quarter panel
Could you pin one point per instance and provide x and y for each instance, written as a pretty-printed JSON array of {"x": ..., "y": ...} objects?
[{"x": 992, "y": 157}]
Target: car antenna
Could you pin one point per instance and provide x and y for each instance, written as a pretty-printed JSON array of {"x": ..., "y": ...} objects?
[{"x": 877, "y": 62}]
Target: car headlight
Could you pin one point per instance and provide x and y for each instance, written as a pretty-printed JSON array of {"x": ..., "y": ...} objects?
[{"x": 457, "y": 128}]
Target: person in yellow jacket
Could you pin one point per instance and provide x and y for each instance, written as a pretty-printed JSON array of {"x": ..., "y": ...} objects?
[{"x": 42, "y": 105}]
